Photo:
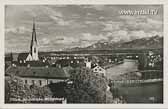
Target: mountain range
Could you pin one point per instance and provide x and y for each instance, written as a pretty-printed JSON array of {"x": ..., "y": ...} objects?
[{"x": 143, "y": 43}]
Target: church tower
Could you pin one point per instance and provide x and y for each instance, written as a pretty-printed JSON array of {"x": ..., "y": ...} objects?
[{"x": 34, "y": 45}]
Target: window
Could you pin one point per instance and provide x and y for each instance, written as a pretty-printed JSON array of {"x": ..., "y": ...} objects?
[
  {"x": 51, "y": 82},
  {"x": 40, "y": 82},
  {"x": 34, "y": 73},
  {"x": 34, "y": 50},
  {"x": 17, "y": 72},
  {"x": 20, "y": 61},
  {"x": 25, "y": 81},
  {"x": 33, "y": 82}
]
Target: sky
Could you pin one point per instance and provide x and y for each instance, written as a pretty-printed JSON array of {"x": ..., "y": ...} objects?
[{"x": 66, "y": 26}]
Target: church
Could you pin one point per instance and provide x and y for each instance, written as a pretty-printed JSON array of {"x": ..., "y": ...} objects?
[{"x": 33, "y": 54}]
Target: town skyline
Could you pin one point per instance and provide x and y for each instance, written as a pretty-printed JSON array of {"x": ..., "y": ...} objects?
[{"x": 67, "y": 26}]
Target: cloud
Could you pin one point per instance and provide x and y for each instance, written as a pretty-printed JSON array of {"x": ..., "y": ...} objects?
[
  {"x": 89, "y": 22},
  {"x": 66, "y": 40},
  {"x": 119, "y": 35},
  {"x": 144, "y": 23},
  {"x": 112, "y": 26},
  {"x": 75, "y": 16},
  {"x": 142, "y": 34},
  {"x": 123, "y": 35},
  {"x": 60, "y": 21},
  {"x": 154, "y": 33},
  {"x": 155, "y": 22},
  {"x": 132, "y": 18},
  {"x": 17, "y": 30},
  {"x": 96, "y": 7},
  {"x": 101, "y": 17},
  {"x": 51, "y": 11},
  {"x": 45, "y": 41},
  {"x": 137, "y": 34},
  {"x": 68, "y": 25},
  {"x": 92, "y": 37}
]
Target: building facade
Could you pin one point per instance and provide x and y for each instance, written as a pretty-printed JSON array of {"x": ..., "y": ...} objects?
[
  {"x": 39, "y": 76},
  {"x": 99, "y": 70}
]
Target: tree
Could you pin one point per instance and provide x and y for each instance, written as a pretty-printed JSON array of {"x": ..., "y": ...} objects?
[
  {"x": 15, "y": 88},
  {"x": 87, "y": 87},
  {"x": 7, "y": 91}
]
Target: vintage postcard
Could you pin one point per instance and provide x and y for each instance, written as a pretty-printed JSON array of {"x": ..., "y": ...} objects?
[{"x": 83, "y": 54}]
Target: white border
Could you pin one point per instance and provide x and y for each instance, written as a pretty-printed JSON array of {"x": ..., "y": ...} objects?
[{"x": 53, "y": 2}]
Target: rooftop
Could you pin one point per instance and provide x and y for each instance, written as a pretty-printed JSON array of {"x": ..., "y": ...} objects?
[
  {"x": 22, "y": 56},
  {"x": 38, "y": 72}
]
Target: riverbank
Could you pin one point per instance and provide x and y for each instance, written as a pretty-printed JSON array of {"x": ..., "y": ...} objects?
[
  {"x": 129, "y": 82},
  {"x": 136, "y": 90},
  {"x": 142, "y": 93}
]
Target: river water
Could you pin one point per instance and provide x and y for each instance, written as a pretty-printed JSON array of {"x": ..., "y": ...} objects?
[
  {"x": 141, "y": 93},
  {"x": 127, "y": 66}
]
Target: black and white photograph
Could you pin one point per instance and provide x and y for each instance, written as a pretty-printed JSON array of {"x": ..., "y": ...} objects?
[{"x": 83, "y": 54}]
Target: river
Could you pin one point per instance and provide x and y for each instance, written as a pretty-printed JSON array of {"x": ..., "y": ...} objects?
[
  {"x": 142, "y": 93},
  {"x": 127, "y": 66}
]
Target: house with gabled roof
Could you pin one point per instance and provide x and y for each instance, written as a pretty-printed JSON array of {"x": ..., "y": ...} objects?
[
  {"x": 40, "y": 76},
  {"x": 99, "y": 70}
]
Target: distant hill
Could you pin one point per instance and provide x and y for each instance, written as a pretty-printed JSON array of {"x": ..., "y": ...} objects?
[
  {"x": 154, "y": 42},
  {"x": 143, "y": 43}
]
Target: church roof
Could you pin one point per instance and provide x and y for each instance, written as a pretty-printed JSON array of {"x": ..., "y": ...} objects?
[
  {"x": 38, "y": 72},
  {"x": 22, "y": 56}
]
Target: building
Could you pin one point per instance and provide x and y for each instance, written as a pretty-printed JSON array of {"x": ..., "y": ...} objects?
[
  {"x": 33, "y": 54},
  {"x": 39, "y": 76},
  {"x": 99, "y": 70},
  {"x": 8, "y": 60},
  {"x": 70, "y": 62},
  {"x": 88, "y": 64}
]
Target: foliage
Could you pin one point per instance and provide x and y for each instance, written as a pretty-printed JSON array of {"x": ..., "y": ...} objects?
[
  {"x": 57, "y": 89},
  {"x": 87, "y": 87},
  {"x": 16, "y": 89}
]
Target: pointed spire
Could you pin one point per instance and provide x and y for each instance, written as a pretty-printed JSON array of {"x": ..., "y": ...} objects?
[
  {"x": 34, "y": 32},
  {"x": 34, "y": 39},
  {"x": 33, "y": 24},
  {"x": 34, "y": 45}
]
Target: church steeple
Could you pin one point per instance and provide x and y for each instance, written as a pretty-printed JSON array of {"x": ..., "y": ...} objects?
[
  {"x": 34, "y": 39},
  {"x": 34, "y": 45}
]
